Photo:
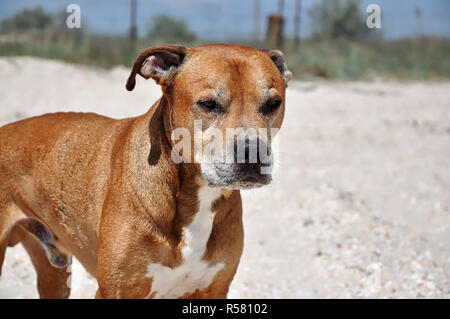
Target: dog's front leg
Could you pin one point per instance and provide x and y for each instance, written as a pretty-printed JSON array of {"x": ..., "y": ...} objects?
[
  {"x": 122, "y": 258},
  {"x": 122, "y": 277}
]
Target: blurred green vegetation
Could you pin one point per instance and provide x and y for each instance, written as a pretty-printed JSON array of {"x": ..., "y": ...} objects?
[
  {"x": 170, "y": 29},
  {"x": 27, "y": 19},
  {"x": 420, "y": 59},
  {"x": 321, "y": 57},
  {"x": 338, "y": 19}
]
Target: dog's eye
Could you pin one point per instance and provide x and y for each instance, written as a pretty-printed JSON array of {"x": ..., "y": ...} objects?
[
  {"x": 209, "y": 106},
  {"x": 270, "y": 106}
]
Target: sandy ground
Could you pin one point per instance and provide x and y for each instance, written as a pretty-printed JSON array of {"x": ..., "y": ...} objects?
[{"x": 360, "y": 204}]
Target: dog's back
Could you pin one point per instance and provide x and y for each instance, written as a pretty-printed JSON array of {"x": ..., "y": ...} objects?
[{"x": 45, "y": 172}]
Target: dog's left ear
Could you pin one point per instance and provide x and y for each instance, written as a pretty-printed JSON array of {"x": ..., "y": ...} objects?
[
  {"x": 159, "y": 63},
  {"x": 278, "y": 58}
]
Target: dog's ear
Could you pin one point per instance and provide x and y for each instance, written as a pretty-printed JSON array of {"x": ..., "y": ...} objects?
[
  {"x": 159, "y": 63},
  {"x": 278, "y": 58}
]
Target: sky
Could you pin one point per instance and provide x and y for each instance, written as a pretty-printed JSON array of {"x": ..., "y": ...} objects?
[{"x": 228, "y": 19}]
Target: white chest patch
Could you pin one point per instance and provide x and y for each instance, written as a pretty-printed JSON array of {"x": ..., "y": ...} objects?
[{"x": 194, "y": 273}]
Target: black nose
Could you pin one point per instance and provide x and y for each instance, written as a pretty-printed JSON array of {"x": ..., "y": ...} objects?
[{"x": 251, "y": 152}]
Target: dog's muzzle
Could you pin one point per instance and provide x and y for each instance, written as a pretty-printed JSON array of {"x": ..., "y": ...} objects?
[{"x": 247, "y": 164}]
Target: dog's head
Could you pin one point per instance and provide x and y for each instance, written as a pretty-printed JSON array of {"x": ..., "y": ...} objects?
[{"x": 226, "y": 104}]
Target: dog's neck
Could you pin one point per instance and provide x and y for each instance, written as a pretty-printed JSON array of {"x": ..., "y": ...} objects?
[{"x": 189, "y": 199}]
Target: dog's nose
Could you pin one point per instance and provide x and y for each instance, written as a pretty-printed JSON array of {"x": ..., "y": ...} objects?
[
  {"x": 253, "y": 161},
  {"x": 251, "y": 152}
]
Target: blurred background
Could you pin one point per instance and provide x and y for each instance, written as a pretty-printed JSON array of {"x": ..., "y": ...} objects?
[
  {"x": 321, "y": 39},
  {"x": 360, "y": 204}
]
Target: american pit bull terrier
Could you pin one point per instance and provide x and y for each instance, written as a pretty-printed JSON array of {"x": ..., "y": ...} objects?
[{"x": 110, "y": 193}]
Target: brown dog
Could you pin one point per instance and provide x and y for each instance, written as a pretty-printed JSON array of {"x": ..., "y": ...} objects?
[{"x": 110, "y": 193}]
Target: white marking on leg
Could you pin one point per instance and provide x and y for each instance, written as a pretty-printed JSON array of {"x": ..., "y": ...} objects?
[{"x": 194, "y": 273}]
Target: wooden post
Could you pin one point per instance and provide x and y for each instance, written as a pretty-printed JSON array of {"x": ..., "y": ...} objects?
[
  {"x": 275, "y": 31},
  {"x": 418, "y": 14},
  {"x": 133, "y": 27},
  {"x": 297, "y": 20},
  {"x": 256, "y": 17},
  {"x": 280, "y": 7},
  {"x": 275, "y": 27}
]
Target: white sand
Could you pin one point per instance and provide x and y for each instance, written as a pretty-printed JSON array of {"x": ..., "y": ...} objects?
[{"x": 360, "y": 205}]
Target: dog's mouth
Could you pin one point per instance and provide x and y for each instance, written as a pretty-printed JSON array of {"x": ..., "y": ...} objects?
[
  {"x": 237, "y": 176},
  {"x": 247, "y": 165},
  {"x": 241, "y": 185}
]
